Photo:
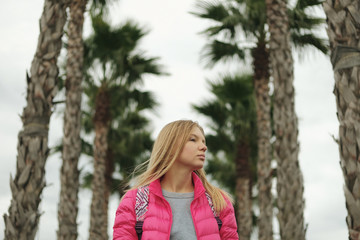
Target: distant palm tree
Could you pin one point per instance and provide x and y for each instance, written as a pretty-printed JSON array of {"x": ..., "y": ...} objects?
[
  {"x": 233, "y": 141},
  {"x": 290, "y": 185},
  {"x": 129, "y": 141},
  {"x": 71, "y": 147},
  {"x": 112, "y": 64},
  {"x": 245, "y": 19},
  {"x": 23, "y": 219},
  {"x": 343, "y": 31}
]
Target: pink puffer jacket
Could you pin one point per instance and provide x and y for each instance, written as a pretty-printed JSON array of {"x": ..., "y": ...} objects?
[{"x": 158, "y": 220}]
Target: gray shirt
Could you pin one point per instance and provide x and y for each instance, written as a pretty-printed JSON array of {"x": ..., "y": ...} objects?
[{"x": 182, "y": 227}]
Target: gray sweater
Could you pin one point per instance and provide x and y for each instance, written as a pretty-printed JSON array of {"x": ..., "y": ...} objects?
[{"x": 182, "y": 227}]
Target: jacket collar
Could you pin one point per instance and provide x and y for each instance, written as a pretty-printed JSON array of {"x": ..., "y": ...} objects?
[{"x": 199, "y": 189}]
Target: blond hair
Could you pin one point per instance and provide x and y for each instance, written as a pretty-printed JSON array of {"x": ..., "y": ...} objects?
[{"x": 167, "y": 147}]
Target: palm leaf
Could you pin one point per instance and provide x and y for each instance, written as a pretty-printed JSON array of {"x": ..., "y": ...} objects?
[
  {"x": 221, "y": 51},
  {"x": 211, "y": 10}
]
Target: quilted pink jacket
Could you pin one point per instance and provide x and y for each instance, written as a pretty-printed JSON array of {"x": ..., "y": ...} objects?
[{"x": 158, "y": 220}]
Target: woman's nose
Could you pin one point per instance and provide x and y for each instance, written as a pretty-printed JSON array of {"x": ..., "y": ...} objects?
[{"x": 203, "y": 147}]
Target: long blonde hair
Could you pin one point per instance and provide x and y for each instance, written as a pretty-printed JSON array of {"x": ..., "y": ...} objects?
[{"x": 167, "y": 147}]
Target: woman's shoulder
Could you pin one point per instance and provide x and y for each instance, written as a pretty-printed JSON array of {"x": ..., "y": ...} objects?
[
  {"x": 227, "y": 198},
  {"x": 131, "y": 192},
  {"x": 129, "y": 195},
  {"x": 229, "y": 207}
]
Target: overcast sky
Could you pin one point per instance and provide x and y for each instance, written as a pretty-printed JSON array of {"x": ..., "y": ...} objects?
[{"x": 174, "y": 37}]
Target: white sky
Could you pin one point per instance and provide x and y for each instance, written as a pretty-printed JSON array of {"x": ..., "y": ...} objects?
[{"x": 174, "y": 37}]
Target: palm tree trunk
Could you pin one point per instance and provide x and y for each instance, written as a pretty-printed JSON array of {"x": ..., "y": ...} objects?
[
  {"x": 109, "y": 170},
  {"x": 22, "y": 221},
  {"x": 343, "y": 31},
  {"x": 98, "y": 216},
  {"x": 261, "y": 84},
  {"x": 289, "y": 177},
  {"x": 243, "y": 191},
  {"x": 69, "y": 176}
]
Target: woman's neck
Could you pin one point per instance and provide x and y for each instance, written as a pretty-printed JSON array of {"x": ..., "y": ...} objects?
[{"x": 177, "y": 181}]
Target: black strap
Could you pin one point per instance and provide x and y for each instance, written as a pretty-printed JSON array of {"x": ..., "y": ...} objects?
[
  {"x": 138, "y": 228},
  {"x": 219, "y": 222}
]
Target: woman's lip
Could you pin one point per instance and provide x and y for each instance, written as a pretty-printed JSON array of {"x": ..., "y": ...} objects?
[{"x": 202, "y": 156}]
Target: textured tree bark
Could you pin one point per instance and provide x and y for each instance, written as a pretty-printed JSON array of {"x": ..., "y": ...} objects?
[
  {"x": 243, "y": 191},
  {"x": 289, "y": 177},
  {"x": 23, "y": 217},
  {"x": 264, "y": 182},
  {"x": 99, "y": 207},
  {"x": 343, "y": 22},
  {"x": 69, "y": 176},
  {"x": 109, "y": 170},
  {"x": 98, "y": 222}
]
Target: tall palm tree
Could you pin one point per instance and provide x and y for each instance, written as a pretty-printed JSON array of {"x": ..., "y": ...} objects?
[
  {"x": 110, "y": 54},
  {"x": 69, "y": 175},
  {"x": 128, "y": 141},
  {"x": 233, "y": 19},
  {"x": 343, "y": 27},
  {"x": 233, "y": 121},
  {"x": 290, "y": 186},
  {"x": 23, "y": 217},
  {"x": 71, "y": 147}
]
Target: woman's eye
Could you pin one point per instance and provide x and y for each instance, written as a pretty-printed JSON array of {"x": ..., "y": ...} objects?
[{"x": 192, "y": 139}]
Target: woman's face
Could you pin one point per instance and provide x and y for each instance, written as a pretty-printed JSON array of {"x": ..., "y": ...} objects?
[{"x": 193, "y": 153}]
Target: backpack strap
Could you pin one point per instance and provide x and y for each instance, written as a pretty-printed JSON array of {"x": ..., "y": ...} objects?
[
  {"x": 217, "y": 218},
  {"x": 141, "y": 207}
]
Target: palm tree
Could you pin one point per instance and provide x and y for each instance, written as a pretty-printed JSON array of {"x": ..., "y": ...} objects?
[
  {"x": 129, "y": 144},
  {"x": 290, "y": 188},
  {"x": 343, "y": 24},
  {"x": 128, "y": 141},
  {"x": 71, "y": 147},
  {"x": 112, "y": 53},
  {"x": 232, "y": 19},
  {"x": 232, "y": 115},
  {"x": 23, "y": 217}
]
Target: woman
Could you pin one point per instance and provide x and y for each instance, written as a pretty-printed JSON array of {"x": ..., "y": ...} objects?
[{"x": 179, "y": 202}]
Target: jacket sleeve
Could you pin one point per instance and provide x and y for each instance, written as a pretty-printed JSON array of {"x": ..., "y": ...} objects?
[
  {"x": 125, "y": 219},
  {"x": 228, "y": 230}
]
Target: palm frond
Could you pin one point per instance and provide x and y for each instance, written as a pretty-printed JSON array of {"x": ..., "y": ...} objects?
[
  {"x": 213, "y": 110},
  {"x": 221, "y": 51},
  {"x": 138, "y": 65},
  {"x": 211, "y": 10},
  {"x": 233, "y": 88},
  {"x": 310, "y": 40},
  {"x": 299, "y": 20}
]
